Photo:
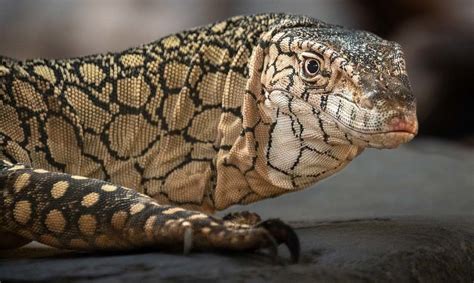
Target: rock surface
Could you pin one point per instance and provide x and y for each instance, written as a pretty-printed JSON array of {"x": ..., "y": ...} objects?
[
  {"x": 376, "y": 250},
  {"x": 429, "y": 179}
]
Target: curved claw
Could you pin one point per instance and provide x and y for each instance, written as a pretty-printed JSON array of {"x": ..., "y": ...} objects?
[
  {"x": 283, "y": 233},
  {"x": 273, "y": 248}
]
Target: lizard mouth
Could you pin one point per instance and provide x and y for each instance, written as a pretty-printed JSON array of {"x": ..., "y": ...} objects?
[
  {"x": 382, "y": 128},
  {"x": 389, "y": 139},
  {"x": 381, "y": 131},
  {"x": 404, "y": 124},
  {"x": 396, "y": 133}
]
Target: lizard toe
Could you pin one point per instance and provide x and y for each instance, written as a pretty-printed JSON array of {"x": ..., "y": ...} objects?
[
  {"x": 283, "y": 233},
  {"x": 243, "y": 217}
]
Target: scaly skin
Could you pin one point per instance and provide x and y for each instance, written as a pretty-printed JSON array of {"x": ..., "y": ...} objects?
[{"x": 230, "y": 113}]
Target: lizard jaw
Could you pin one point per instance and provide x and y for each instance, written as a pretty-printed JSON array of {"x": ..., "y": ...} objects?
[
  {"x": 391, "y": 138},
  {"x": 396, "y": 126}
]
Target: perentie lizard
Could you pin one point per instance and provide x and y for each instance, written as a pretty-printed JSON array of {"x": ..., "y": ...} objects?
[{"x": 230, "y": 113}]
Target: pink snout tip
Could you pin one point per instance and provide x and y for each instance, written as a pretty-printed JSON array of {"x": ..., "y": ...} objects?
[{"x": 407, "y": 124}]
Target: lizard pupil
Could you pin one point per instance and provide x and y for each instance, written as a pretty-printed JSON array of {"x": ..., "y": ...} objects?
[{"x": 312, "y": 67}]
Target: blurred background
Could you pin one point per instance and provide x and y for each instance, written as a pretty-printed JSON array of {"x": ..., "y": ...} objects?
[{"x": 432, "y": 175}]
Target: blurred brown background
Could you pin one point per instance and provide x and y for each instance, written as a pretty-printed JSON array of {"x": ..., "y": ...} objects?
[
  {"x": 431, "y": 175},
  {"x": 437, "y": 35}
]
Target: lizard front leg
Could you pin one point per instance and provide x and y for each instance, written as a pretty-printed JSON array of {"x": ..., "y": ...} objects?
[{"x": 79, "y": 213}]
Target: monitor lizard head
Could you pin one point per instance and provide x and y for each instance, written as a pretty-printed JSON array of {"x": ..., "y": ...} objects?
[
  {"x": 316, "y": 96},
  {"x": 344, "y": 86}
]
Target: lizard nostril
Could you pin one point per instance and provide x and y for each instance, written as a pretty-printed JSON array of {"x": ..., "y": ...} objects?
[{"x": 366, "y": 102}]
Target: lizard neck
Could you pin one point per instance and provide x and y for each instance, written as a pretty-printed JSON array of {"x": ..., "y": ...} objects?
[
  {"x": 276, "y": 154},
  {"x": 279, "y": 150}
]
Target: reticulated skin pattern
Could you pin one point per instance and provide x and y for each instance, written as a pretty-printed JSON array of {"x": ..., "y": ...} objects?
[{"x": 129, "y": 150}]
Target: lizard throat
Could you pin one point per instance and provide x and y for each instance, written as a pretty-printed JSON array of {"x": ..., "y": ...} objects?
[{"x": 297, "y": 159}]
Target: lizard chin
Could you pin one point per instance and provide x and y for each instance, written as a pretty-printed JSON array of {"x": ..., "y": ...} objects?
[{"x": 389, "y": 139}]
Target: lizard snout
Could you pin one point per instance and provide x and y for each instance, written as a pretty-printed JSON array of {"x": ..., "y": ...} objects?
[
  {"x": 405, "y": 123},
  {"x": 389, "y": 93}
]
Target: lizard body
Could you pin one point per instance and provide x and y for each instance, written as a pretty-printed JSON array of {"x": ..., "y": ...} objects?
[{"x": 229, "y": 113}]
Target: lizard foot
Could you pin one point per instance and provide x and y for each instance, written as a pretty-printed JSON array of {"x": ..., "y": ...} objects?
[
  {"x": 282, "y": 233},
  {"x": 268, "y": 234},
  {"x": 243, "y": 217},
  {"x": 278, "y": 231}
]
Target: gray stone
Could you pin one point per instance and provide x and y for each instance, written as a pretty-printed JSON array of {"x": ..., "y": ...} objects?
[{"x": 389, "y": 250}]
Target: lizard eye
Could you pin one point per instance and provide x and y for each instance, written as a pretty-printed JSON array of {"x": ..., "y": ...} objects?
[{"x": 311, "y": 67}]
